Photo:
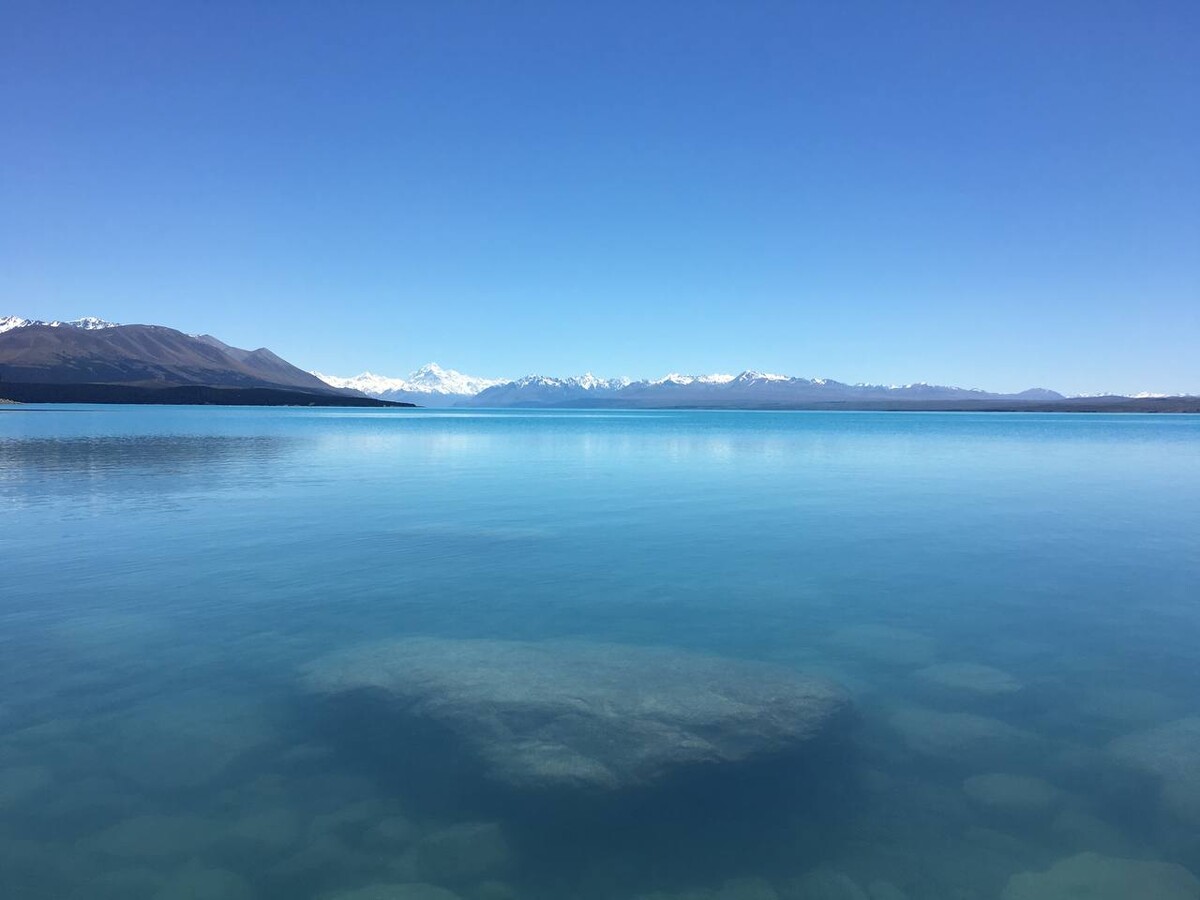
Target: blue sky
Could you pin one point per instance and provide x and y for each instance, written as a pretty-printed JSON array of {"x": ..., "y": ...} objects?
[{"x": 989, "y": 194}]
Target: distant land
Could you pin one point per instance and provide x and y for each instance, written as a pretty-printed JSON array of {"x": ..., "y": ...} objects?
[
  {"x": 93, "y": 361},
  {"x": 432, "y": 385}
]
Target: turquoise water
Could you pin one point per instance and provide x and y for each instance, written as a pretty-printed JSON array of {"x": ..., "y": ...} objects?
[{"x": 169, "y": 573}]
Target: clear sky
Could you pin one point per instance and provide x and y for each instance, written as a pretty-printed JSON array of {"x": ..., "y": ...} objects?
[{"x": 991, "y": 194}]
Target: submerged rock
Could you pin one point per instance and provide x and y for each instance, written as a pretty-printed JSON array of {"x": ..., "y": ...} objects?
[
  {"x": 188, "y": 742},
  {"x": 746, "y": 889},
  {"x": 155, "y": 837},
  {"x": 1013, "y": 795},
  {"x": 885, "y": 890},
  {"x": 495, "y": 890},
  {"x": 18, "y": 783},
  {"x": 1130, "y": 706},
  {"x": 824, "y": 884},
  {"x": 121, "y": 884},
  {"x": 971, "y": 678},
  {"x": 964, "y": 738},
  {"x": 268, "y": 831},
  {"x": 1099, "y": 877},
  {"x": 410, "y": 891},
  {"x": 468, "y": 852},
  {"x": 885, "y": 644},
  {"x": 1170, "y": 752},
  {"x": 575, "y": 714},
  {"x": 198, "y": 882},
  {"x": 393, "y": 832},
  {"x": 1080, "y": 830}
]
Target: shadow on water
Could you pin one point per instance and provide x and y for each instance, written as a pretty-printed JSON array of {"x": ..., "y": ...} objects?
[{"x": 698, "y": 825}]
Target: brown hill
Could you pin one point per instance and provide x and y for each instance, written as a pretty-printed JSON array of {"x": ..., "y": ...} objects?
[{"x": 144, "y": 356}]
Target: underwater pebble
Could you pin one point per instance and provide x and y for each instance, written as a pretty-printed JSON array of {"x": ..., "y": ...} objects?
[
  {"x": 187, "y": 743},
  {"x": 351, "y": 817},
  {"x": 96, "y": 801},
  {"x": 1013, "y": 795},
  {"x": 1096, "y": 877},
  {"x": 746, "y": 889},
  {"x": 306, "y": 753},
  {"x": 463, "y": 853},
  {"x": 411, "y": 891},
  {"x": 494, "y": 890},
  {"x": 1130, "y": 706},
  {"x": 155, "y": 837},
  {"x": 957, "y": 736},
  {"x": 122, "y": 884},
  {"x": 20, "y": 782},
  {"x": 823, "y": 884},
  {"x": 322, "y": 854},
  {"x": 197, "y": 882},
  {"x": 1002, "y": 845},
  {"x": 1083, "y": 831},
  {"x": 25, "y": 863},
  {"x": 1170, "y": 752},
  {"x": 272, "y": 830},
  {"x": 885, "y": 644},
  {"x": 885, "y": 890},
  {"x": 393, "y": 832},
  {"x": 970, "y": 678}
]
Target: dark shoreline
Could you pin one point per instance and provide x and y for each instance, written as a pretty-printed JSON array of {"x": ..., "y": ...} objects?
[
  {"x": 1079, "y": 405},
  {"x": 182, "y": 395}
]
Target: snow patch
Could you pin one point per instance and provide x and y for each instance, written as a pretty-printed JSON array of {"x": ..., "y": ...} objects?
[{"x": 87, "y": 323}]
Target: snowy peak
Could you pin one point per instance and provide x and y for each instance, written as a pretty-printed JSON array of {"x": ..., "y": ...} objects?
[
  {"x": 585, "y": 382},
  {"x": 429, "y": 379},
  {"x": 750, "y": 377},
  {"x": 676, "y": 378},
  {"x": 367, "y": 382},
  {"x": 435, "y": 379},
  {"x": 87, "y": 323}
]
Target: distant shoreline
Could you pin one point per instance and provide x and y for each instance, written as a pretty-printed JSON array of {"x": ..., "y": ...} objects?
[
  {"x": 181, "y": 395},
  {"x": 13, "y": 395},
  {"x": 1187, "y": 405}
]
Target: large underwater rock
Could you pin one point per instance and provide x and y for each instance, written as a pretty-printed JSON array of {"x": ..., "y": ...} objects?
[{"x": 592, "y": 715}]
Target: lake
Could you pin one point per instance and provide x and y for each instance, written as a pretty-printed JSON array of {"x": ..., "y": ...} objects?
[{"x": 1009, "y": 604}]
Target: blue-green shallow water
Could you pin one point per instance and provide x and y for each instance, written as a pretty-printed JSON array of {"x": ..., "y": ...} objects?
[{"x": 167, "y": 573}]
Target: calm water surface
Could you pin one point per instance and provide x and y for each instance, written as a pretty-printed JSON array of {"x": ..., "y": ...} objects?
[{"x": 1013, "y": 602}]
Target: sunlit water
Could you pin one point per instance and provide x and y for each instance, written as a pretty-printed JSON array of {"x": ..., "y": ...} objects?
[{"x": 167, "y": 575}]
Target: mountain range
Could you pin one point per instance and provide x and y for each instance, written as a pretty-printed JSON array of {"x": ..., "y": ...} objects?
[
  {"x": 92, "y": 359},
  {"x": 431, "y": 385}
]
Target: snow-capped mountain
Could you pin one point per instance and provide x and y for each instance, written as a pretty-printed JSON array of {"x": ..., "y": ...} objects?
[
  {"x": 543, "y": 390},
  {"x": 676, "y": 378},
  {"x": 749, "y": 389},
  {"x": 428, "y": 385},
  {"x": 87, "y": 323},
  {"x": 432, "y": 385}
]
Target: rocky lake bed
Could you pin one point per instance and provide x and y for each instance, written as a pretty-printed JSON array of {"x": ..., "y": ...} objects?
[{"x": 573, "y": 759}]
